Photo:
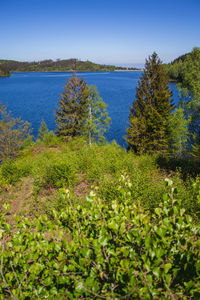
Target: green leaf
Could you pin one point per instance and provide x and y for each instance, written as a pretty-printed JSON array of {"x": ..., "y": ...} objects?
[
  {"x": 156, "y": 272},
  {"x": 157, "y": 211},
  {"x": 167, "y": 267}
]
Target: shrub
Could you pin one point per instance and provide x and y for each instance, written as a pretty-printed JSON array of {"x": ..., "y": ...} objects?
[
  {"x": 104, "y": 251},
  {"x": 13, "y": 133},
  {"x": 59, "y": 174},
  {"x": 10, "y": 172}
]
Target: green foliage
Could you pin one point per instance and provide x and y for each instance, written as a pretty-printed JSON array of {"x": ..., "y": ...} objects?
[
  {"x": 178, "y": 127},
  {"x": 4, "y": 72},
  {"x": 46, "y": 137},
  {"x": 189, "y": 87},
  {"x": 11, "y": 173},
  {"x": 49, "y": 65},
  {"x": 58, "y": 175},
  {"x": 28, "y": 142},
  {"x": 148, "y": 120},
  {"x": 102, "y": 165},
  {"x": 97, "y": 120},
  {"x": 13, "y": 132},
  {"x": 72, "y": 110},
  {"x": 196, "y": 151},
  {"x": 191, "y": 74},
  {"x": 175, "y": 71},
  {"x": 43, "y": 131},
  {"x": 81, "y": 112},
  {"x": 115, "y": 250}
]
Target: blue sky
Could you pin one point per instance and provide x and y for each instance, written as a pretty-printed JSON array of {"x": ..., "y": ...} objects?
[{"x": 122, "y": 32}]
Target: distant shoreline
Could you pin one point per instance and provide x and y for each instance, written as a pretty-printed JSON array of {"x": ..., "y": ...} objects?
[
  {"x": 71, "y": 71},
  {"x": 129, "y": 70}
]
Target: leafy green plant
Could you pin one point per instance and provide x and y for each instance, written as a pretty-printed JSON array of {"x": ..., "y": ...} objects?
[
  {"x": 115, "y": 250},
  {"x": 10, "y": 172},
  {"x": 59, "y": 175}
]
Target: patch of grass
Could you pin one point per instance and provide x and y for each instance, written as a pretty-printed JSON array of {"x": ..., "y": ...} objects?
[{"x": 71, "y": 163}]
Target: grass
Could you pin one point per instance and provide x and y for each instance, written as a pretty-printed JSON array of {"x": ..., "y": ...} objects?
[{"x": 78, "y": 167}]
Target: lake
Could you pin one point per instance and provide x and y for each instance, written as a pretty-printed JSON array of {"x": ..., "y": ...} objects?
[{"x": 35, "y": 96}]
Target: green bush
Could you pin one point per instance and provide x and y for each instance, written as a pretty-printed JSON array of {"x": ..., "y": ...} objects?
[
  {"x": 114, "y": 250},
  {"x": 10, "y": 172},
  {"x": 49, "y": 139},
  {"x": 58, "y": 175},
  {"x": 108, "y": 189}
]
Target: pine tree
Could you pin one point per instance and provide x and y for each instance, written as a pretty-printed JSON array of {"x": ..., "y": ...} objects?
[
  {"x": 148, "y": 120},
  {"x": 73, "y": 106}
]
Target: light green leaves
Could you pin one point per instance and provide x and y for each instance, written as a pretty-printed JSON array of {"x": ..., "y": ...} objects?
[{"x": 104, "y": 250}]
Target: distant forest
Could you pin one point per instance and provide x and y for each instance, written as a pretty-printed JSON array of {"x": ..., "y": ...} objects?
[
  {"x": 175, "y": 69},
  {"x": 58, "y": 65},
  {"x": 4, "y": 72}
]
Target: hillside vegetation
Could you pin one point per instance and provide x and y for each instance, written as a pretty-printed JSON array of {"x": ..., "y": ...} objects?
[
  {"x": 59, "y": 65},
  {"x": 97, "y": 223},
  {"x": 81, "y": 218},
  {"x": 177, "y": 68},
  {"x": 4, "y": 72}
]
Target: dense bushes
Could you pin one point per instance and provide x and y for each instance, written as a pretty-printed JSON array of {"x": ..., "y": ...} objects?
[
  {"x": 12, "y": 173},
  {"x": 101, "y": 250},
  {"x": 68, "y": 165},
  {"x": 58, "y": 175}
]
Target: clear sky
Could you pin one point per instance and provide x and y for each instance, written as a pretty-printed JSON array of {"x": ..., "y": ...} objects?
[{"x": 103, "y": 31}]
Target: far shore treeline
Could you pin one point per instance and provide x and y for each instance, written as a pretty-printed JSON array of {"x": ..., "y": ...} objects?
[
  {"x": 4, "y": 72},
  {"x": 59, "y": 65}
]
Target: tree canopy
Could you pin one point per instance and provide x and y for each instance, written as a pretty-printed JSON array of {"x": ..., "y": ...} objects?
[
  {"x": 190, "y": 87},
  {"x": 148, "y": 120},
  {"x": 4, "y": 72},
  {"x": 81, "y": 111},
  {"x": 72, "y": 110},
  {"x": 13, "y": 132},
  {"x": 97, "y": 121}
]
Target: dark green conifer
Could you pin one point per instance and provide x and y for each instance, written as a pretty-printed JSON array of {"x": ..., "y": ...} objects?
[
  {"x": 148, "y": 120},
  {"x": 73, "y": 108}
]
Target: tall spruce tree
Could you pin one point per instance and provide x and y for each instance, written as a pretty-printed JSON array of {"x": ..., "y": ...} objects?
[
  {"x": 73, "y": 108},
  {"x": 148, "y": 120}
]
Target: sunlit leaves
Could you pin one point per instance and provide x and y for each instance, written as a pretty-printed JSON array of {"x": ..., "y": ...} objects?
[{"x": 103, "y": 250}]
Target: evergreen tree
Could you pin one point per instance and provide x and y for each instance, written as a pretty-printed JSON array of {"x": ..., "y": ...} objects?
[
  {"x": 73, "y": 106},
  {"x": 148, "y": 129},
  {"x": 97, "y": 120}
]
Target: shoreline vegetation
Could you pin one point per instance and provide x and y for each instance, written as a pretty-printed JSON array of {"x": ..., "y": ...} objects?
[
  {"x": 66, "y": 65},
  {"x": 4, "y": 72},
  {"x": 71, "y": 71}
]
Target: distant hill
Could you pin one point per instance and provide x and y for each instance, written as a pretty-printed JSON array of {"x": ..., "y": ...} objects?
[
  {"x": 180, "y": 58},
  {"x": 4, "y": 72},
  {"x": 58, "y": 65}
]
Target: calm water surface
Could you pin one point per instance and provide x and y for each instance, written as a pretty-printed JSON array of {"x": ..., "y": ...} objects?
[{"x": 35, "y": 96}]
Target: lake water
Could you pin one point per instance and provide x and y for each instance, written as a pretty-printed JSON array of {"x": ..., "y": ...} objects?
[{"x": 35, "y": 96}]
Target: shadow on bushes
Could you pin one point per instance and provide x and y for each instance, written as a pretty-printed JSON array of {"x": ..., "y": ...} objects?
[{"x": 186, "y": 166}]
